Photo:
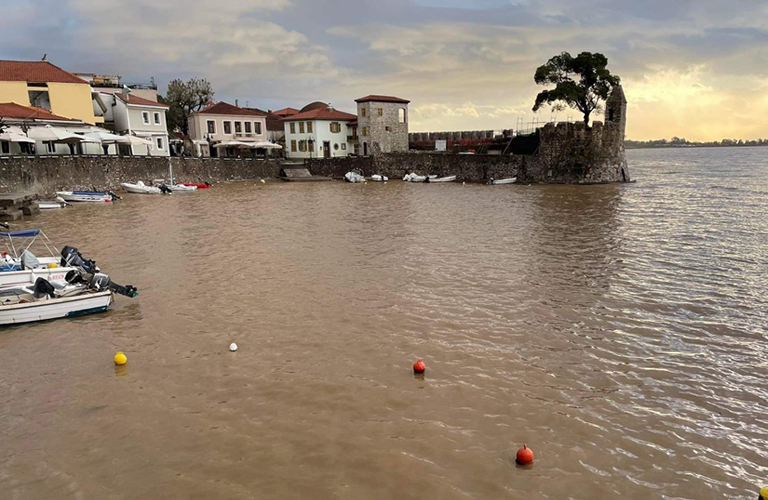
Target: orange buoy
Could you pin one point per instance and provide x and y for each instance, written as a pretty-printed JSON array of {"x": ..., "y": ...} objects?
[
  {"x": 524, "y": 455},
  {"x": 419, "y": 366}
]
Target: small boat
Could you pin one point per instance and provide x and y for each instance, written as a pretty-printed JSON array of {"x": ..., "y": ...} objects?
[
  {"x": 182, "y": 187},
  {"x": 59, "y": 202},
  {"x": 87, "y": 196},
  {"x": 412, "y": 177},
  {"x": 354, "y": 176},
  {"x": 508, "y": 180},
  {"x": 18, "y": 265},
  {"x": 45, "y": 300},
  {"x": 450, "y": 178},
  {"x": 197, "y": 185},
  {"x": 379, "y": 178},
  {"x": 141, "y": 188}
]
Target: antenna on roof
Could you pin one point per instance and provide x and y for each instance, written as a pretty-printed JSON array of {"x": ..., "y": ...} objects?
[{"x": 45, "y": 56}]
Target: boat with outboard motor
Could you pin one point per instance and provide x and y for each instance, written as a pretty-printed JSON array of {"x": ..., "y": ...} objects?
[
  {"x": 84, "y": 290},
  {"x": 379, "y": 178},
  {"x": 413, "y": 177},
  {"x": 141, "y": 188},
  {"x": 18, "y": 265},
  {"x": 354, "y": 176},
  {"x": 198, "y": 185},
  {"x": 88, "y": 196},
  {"x": 182, "y": 187}
]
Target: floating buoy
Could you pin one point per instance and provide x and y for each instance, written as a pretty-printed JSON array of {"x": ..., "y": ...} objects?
[
  {"x": 263, "y": 181},
  {"x": 419, "y": 366},
  {"x": 524, "y": 455},
  {"x": 120, "y": 358},
  {"x": 764, "y": 494},
  {"x": 233, "y": 347}
]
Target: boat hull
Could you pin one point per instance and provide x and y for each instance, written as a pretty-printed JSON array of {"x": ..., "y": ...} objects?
[
  {"x": 140, "y": 189},
  {"x": 197, "y": 185},
  {"x": 450, "y": 178},
  {"x": 29, "y": 276},
  {"x": 65, "y": 307},
  {"x": 510, "y": 180}
]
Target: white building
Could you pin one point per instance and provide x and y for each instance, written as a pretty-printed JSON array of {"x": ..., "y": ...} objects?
[
  {"x": 128, "y": 114},
  {"x": 319, "y": 131},
  {"x": 227, "y": 130}
]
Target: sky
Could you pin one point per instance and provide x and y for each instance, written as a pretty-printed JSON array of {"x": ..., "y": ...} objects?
[{"x": 690, "y": 68}]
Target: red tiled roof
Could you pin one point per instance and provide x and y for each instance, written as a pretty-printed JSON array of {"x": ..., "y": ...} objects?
[
  {"x": 382, "y": 98},
  {"x": 285, "y": 112},
  {"x": 140, "y": 101},
  {"x": 223, "y": 108},
  {"x": 35, "y": 71},
  {"x": 19, "y": 112},
  {"x": 321, "y": 114}
]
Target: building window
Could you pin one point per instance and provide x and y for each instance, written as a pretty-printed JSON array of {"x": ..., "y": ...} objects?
[
  {"x": 336, "y": 146},
  {"x": 379, "y": 111},
  {"x": 6, "y": 147},
  {"x": 293, "y": 145},
  {"x": 145, "y": 117},
  {"x": 335, "y": 127},
  {"x": 293, "y": 128},
  {"x": 51, "y": 147},
  {"x": 247, "y": 127},
  {"x": 401, "y": 115},
  {"x": 157, "y": 118},
  {"x": 343, "y": 146},
  {"x": 309, "y": 127},
  {"x": 160, "y": 143},
  {"x": 364, "y": 132},
  {"x": 302, "y": 146},
  {"x": 39, "y": 98},
  {"x": 227, "y": 127},
  {"x": 238, "y": 127},
  {"x": 301, "y": 127},
  {"x": 362, "y": 111},
  {"x": 258, "y": 127},
  {"x": 211, "y": 127}
]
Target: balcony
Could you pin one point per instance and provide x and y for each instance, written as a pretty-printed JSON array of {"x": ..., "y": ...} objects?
[
  {"x": 245, "y": 134},
  {"x": 352, "y": 138}
]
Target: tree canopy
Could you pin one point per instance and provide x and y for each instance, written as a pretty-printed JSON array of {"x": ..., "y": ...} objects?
[
  {"x": 185, "y": 98},
  {"x": 581, "y": 82}
]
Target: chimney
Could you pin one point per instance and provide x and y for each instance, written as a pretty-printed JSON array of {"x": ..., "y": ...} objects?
[{"x": 237, "y": 103}]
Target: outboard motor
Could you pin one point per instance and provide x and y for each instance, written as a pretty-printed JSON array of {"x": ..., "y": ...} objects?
[
  {"x": 165, "y": 189},
  {"x": 87, "y": 272},
  {"x": 71, "y": 257},
  {"x": 42, "y": 288},
  {"x": 114, "y": 196}
]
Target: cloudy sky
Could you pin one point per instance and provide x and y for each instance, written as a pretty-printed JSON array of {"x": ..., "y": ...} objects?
[{"x": 690, "y": 68}]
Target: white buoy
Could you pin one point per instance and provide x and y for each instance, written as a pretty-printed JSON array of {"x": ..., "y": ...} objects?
[{"x": 233, "y": 347}]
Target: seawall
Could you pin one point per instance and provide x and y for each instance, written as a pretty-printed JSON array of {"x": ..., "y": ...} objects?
[{"x": 47, "y": 174}]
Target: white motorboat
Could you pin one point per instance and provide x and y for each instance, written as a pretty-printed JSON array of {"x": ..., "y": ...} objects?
[
  {"x": 508, "y": 180},
  {"x": 450, "y": 178},
  {"x": 141, "y": 188},
  {"x": 379, "y": 178},
  {"x": 412, "y": 177},
  {"x": 86, "y": 196},
  {"x": 44, "y": 300},
  {"x": 19, "y": 266},
  {"x": 182, "y": 187},
  {"x": 354, "y": 177}
]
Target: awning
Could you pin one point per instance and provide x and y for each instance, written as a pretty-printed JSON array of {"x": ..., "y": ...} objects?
[
  {"x": 234, "y": 144},
  {"x": 20, "y": 234},
  {"x": 267, "y": 145},
  {"x": 53, "y": 134},
  {"x": 11, "y": 137}
]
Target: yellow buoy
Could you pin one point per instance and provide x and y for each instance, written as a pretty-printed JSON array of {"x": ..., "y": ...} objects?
[
  {"x": 52, "y": 265},
  {"x": 764, "y": 493},
  {"x": 120, "y": 358}
]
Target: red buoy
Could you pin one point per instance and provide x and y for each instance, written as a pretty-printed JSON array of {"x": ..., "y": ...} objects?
[
  {"x": 419, "y": 366},
  {"x": 524, "y": 455}
]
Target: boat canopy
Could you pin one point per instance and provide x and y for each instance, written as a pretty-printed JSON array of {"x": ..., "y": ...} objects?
[{"x": 28, "y": 233}]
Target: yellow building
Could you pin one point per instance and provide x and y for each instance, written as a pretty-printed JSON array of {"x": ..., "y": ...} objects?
[{"x": 43, "y": 85}]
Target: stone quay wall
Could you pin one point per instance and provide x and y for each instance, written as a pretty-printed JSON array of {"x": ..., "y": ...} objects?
[{"x": 45, "y": 175}]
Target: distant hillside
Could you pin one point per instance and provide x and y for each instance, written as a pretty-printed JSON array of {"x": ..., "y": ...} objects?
[{"x": 677, "y": 142}]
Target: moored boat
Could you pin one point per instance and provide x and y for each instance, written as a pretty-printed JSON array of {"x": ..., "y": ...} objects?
[
  {"x": 182, "y": 187},
  {"x": 59, "y": 202},
  {"x": 508, "y": 180},
  {"x": 450, "y": 178},
  {"x": 86, "y": 196},
  {"x": 413, "y": 177},
  {"x": 45, "y": 301},
  {"x": 379, "y": 178},
  {"x": 354, "y": 176},
  {"x": 205, "y": 185},
  {"x": 141, "y": 188}
]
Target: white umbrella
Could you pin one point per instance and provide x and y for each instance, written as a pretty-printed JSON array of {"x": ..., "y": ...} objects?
[
  {"x": 104, "y": 137},
  {"x": 11, "y": 137},
  {"x": 267, "y": 145},
  {"x": 133, "y": 140},
  {"x": 53, "y": 134}
]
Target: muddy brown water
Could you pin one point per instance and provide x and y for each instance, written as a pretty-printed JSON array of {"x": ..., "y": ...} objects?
[{"x": 619, "y": 331}]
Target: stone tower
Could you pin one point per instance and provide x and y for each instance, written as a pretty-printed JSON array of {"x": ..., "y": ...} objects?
[
  {"x": 616, "y": 110},
  {"x": 382, "y": 124}
]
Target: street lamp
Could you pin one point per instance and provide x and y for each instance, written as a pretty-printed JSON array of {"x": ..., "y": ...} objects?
[{"x": 311, "y": 144}]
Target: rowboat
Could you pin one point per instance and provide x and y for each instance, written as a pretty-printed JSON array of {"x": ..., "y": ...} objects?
[
  {"x": 508, "y": 180},
  {"x": 31, "y": 303},
  {"x": 412, "y": 177},
  {"x": 86, "y": 196},
  {"x": 141, "y": 188},
  {"x": 197, "y": 185},
  {"x": 59, "y": 202},
  {"x": 449, "y": 178}
]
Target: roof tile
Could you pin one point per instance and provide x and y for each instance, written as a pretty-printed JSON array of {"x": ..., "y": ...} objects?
[{"x": 35, "y": 71}]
